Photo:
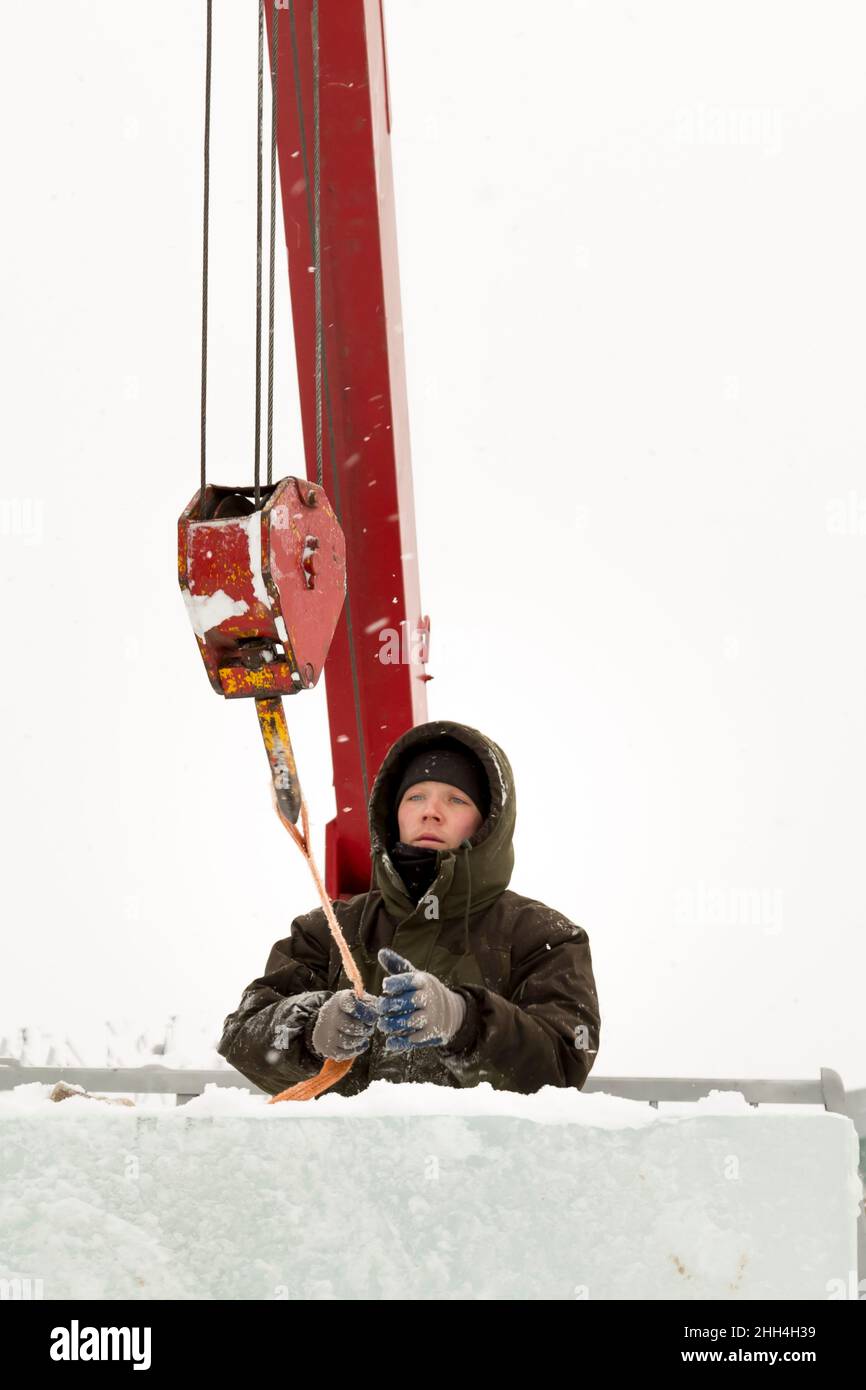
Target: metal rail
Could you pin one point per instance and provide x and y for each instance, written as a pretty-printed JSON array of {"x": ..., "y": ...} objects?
[{"x": 827, "y": 1090}]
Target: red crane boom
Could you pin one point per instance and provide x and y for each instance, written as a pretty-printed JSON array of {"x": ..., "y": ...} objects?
[{"x": 372, "y": 698}]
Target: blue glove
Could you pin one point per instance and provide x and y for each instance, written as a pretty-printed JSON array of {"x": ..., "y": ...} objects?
[{"x": 415, "y": 1009}]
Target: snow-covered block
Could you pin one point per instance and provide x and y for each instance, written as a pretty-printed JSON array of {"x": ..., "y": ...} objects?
[{"x": 425, "y": 1192}]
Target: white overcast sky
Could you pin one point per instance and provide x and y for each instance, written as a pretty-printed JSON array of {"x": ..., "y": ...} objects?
[{"x": 634, "y": 295}]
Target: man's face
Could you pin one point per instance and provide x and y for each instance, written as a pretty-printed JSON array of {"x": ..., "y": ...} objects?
[{"x": 435, "y": 815}]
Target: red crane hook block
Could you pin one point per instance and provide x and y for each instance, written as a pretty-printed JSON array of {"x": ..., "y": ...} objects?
[{"x": 264, "y": 589}]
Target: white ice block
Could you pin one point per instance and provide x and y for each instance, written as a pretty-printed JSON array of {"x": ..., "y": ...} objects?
[{"x": 424, "y": 1192}]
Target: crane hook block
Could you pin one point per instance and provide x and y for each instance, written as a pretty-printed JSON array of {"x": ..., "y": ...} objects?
[{"x": 264, "y": 586}]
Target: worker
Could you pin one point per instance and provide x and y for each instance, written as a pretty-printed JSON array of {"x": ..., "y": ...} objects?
[{"x": 464, "y": 980}]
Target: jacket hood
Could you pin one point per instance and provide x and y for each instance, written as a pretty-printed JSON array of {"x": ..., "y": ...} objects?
[{"x": 470, "y": 877}]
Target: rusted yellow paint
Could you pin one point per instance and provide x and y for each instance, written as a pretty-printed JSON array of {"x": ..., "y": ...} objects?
[
  {"x": 235, "y": 682},
  {"x": 278, "y": 746}
]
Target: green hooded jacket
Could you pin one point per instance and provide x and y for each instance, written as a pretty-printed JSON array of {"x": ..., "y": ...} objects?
[{"x": 524, "y": 970}]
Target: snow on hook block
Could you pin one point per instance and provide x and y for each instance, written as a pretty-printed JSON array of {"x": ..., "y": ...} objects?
[
  {"x": 264, "y": 587},
  {"x": 417, "y": 1191}
]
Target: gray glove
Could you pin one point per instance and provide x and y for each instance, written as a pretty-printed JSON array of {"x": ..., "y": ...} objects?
[
  {"x": 345, "y": 1025},
  {"x": 416, "y": 1009}
]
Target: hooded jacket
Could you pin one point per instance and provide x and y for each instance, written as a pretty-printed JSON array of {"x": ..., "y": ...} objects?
[{"x": 524, "y": 970}]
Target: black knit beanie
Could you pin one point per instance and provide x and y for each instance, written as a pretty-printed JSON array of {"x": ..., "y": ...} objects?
[{"x": 457, "y": 767}]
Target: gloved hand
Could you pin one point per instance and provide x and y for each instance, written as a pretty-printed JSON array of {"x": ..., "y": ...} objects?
[
  {"x": 345, "y": 1025},
  {"x": 416, "y": 1009}
]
